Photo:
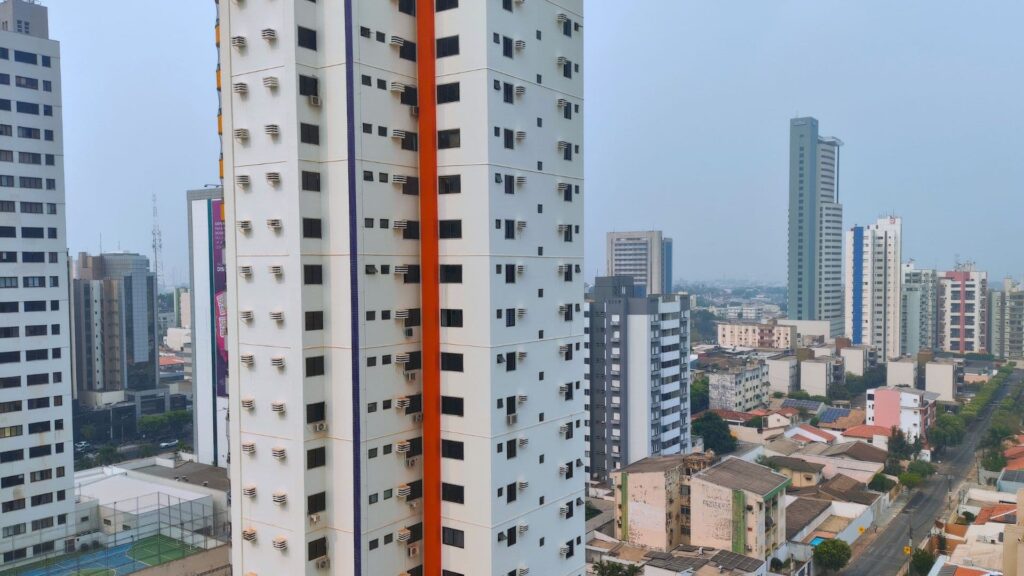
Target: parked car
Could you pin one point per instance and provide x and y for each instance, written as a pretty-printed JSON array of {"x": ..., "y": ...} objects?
[
  {"x": 81, "y": 446},
  {"x": 168, "y": 443}
]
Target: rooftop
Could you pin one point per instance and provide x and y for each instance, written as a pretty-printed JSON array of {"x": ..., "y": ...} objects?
[
  {"x": 192, "y": 473},
  {"x": 809, "y": 405},
  {"x": 663, "y": 463},
  {"x": 737, "y": 474},
  {"x": 857, "y": 450},
  {"x": 801, "y": 512},
  {"x": 867, "y": 431},
  {"x": 134, "y": 496},
  {"x": 795, "y": 464}
]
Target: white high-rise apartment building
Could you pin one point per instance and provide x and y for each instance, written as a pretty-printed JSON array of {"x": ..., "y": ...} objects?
[
  {"x": 403, "y": 195},
  {"x": 645, "y": 256},
  {"x": 963, "y": 310},
  {"x": 874, "y": 280},
  {"x": 919, "y": 309},
  {"x": 36, "y": 462}
]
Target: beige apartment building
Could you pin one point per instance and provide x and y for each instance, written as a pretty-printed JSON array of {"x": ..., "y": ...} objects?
[{"x": 751, "y": 335}]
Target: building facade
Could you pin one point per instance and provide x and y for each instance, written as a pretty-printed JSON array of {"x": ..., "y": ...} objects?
[
  {"x": 1006, "y": 321},
  {"x": 645, "y": 256},
  {"x": 919, "y": 310},
  {"x": 639, "y": 377},
  {"x": 37, "y": 489},
  {"x": 741, "y": 387},
  {"x": 783, "y": 374},
  {"x": 815, "y": 226},
  {"x": 963, "y": 311},
  {"x": 771, "y": 336},
  {"x": 909, "y": 409},
  {"x": 209, "y": 325},
  {"x": 114, "y": 300},
  {"x": 404, "y": 201},
  {"x": 874, "y": 279}
]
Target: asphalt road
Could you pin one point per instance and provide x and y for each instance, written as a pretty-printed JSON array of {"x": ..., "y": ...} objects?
[{"x": 885, "y": 555}]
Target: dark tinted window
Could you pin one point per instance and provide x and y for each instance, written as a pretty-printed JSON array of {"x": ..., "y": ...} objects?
[{"x": 307, "y": 38}]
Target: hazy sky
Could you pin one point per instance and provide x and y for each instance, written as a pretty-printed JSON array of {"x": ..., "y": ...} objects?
[{"x": 687, "y": 118}]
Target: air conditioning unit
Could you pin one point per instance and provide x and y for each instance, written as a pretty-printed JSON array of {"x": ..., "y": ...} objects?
[
  {"x": 402, "y": 358},
  {"x": 561, "y": 18},
  {"x": 322, "y": 563},
  {"x": 247, "y": 358},
  {"x": 524, "y": 442},
  {"x": 402, "y": 269},
  {"x": 522, "y": 398},
  {"x": 277, "y": 406},
  {"x": 521, "y": 180},
  {"x": 520, "y": 44},
  {"x": 403, "y": 492},
  {"x": 414, "y": 111},
  {"x": 561, "y": 310},
  {"x": 277, "y": 361},
  {"x": 269, "y": 34},
  {"x": 249, "y": 447},
  {"x": 412, "y": 550},
  {"x": 274, "y": 223},
  {"x": 242, "y": 180},
  {"x": 276, "y": 270},
  {"x": 397, "y": 41},
  {"x": 512, "y": 419},
  {"x": 404, "y": 535},
  {"x": 249, "y": 491},
  {"x": 270, "y": 81},
  {"x": 520, "y": 225},
  {"x": 314, "y": 519},
  {"x": 563, "y": 388},
  {"x": 524, "y": 528},
  {"x": 402, "y": 403},
  {"x": 521, "y": 355},
  {"x": 245, "y": 270},
  {"x": 279, "y": 452},
  {"x": 272, "y": 129},
  {"x": 501, "y": 537},
  {"x": 562, "y": 144},
  {"x": 563, "y": 469},
  {"x": 520, "y": 268},
  {"x": 563, "y": 511},
  {"x": 563, "y": 551},
  {"x": 249, "y": 534},
  {"x": 520, "y": 312},
  {"x": 564, "y": 349},
  {"x": 520, "y": 90},
  {"x": 562, "y": 102},
  {"x": 280, "y": 543},
  {"x": 238, "y": 42},
  {"x": 315, "y": 101},
  {"x": 520, "y": 134},
  {"x": 399, "y": 134},
  {"x": 248, "y": 403},
  {"x": 241, "y": 133},
  {"x": 522, "y": 570},
  {"x": 563, "y": 186},
  {"x": 564, "y": 429},
  {"x": 397, "y": 87},
  {"x": 562, "y": 61},
  {"x": 523, "y": 485},
  {"x": 320, "y": 427},
  {"x": 401, "y": 314},
  {"x": 410, "y": 376},
  {"x": 280, "y": 498},
  {"x": 274, "y": 178},
  {"x": 399, "y": 179},
  {"x": 403, "y": 447},
  {"x": 277, "y": 316},
  {"x": 240, "y": 88}
]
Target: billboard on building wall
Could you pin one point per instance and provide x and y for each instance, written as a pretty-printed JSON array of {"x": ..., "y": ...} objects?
[{"x": 220, "y": 296}]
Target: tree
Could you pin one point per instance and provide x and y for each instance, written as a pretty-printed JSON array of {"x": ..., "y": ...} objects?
[
  {"x": 615, "y": 569},
  {"x": 921, "y": 562},
  {"x": 152, "y": 426},
  {"x": 107, "y": 455},
  {"x": 715, "y": 433},
  {"x": 911, "y": 479},
  {"x": 921, "y": 468},
  {"x": 703, "y": 327},
  {"x": 699, "y": 395},
  {"x": 832, "y": 555},
  {"x": 899, "y": 447},
  {"x": 881, "y": 483},
  {"x": 88, "y": 432},
  {"x": 947, "y": 431},
  {"x": 993, "y": 460}
]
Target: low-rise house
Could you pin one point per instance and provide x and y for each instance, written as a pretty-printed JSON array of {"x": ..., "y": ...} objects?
[
  {"x": 842, "y": 488},
  {"x": 682, "y": 561},
  {"x": 801, "y": 473},
  {"x": 840, "y": 419},
  {"x": 877, "y": 436},
  {"x": 782, "y": 446},
  {"x": 1010, "y": 480},
  {"x": 807, "y": 433},
  {"x": 809, "y": 407},
  {"x": 810, "y": 521},
  {"x": 737, "y": 505},
  {"x": 839, "y": 462},
  {"x": 912, "y": 411}
]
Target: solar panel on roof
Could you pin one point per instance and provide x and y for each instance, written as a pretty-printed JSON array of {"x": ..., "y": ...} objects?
[
  {"x": 733, "y": 561},
  {"x": 830, "y": 415},
  {"x": 801, "y": 404}
]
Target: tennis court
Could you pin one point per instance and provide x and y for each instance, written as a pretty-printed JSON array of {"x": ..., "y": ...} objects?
[{"x": 116, "y": 561}]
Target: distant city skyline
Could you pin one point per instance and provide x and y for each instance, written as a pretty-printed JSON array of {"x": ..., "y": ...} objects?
[{"x": 707, "y": 140}]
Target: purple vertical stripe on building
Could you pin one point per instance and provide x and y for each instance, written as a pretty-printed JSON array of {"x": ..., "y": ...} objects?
[
  {"x": 353, "y": 241},
  {"x": 858, "y": 286}
]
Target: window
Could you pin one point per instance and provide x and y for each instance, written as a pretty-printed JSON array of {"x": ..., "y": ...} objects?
[
  {"x": 316, "y": 502},
  {"x": 450, "y": 318},
  {"x": 447, "y": 93},
  {"x": 452, "y": 449},
  {"x": 411, "y": 141},
  {"x": 567, "y": 69},
  {"x": 30, "y": 133},
  {"x": 25, "y": 57},
  {"x": 447, "y": 46},
  {"x": 307, "y": 38},
  {"x": 449, "y": 493},
  {"x": 441, "y": 5},
  {"x": 452, "y": 406},
  {"x": 309, "y": 133},
  {"x": 28, "y": 108},
  {"x": 453, "y": 537},
  {"x": 507, "y": 47},
  {"x": 313, "y": 274},
  {"x": 314, "y": 320},
  {"x": 407, "y": 51},
  {"x": 508, "y": 93},
  {"x": 6, "y": 130},
  {"x": 30, "y": 183},
  {"x": 449, "y": 184},
  {"x": 507, "y": 5},
  {"x": 310, "y": 181},
  {"x": 451, "y": 362},
  {"x": 510, "y": 139},
  {"x": 449, "y": 139},
  {"x": 314, "y": 366},
  {"x": 309, "y": 86},
  {"x": 450, "y": 229},
  {"x": 312, "y": 228},
  {"x": 316, "y": 457},
  {"x": 451, "y": 274},
  {"x": 316, "y": 549},
  {"x": 30, "y": 158},
  {"x": 316, "y": 412}
]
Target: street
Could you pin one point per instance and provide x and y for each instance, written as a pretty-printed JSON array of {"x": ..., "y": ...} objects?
[{"x": 885, "y": 554}]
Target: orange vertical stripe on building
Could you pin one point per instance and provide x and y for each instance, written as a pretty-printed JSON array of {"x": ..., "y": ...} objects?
[{"x": 429, "y": 270}]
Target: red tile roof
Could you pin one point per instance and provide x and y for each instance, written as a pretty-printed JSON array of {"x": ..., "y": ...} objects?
[
  {"x": 828, "y": 436},
  {"x": 1014, "y": 452},
  {"x": 1000, "y": 513},
  {"x": 732, "y": 415},
  {"x": 1015, "y": 464},
  {"x": 867, "y": 431}
]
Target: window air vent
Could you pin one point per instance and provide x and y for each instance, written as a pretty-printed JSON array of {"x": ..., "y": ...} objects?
[
  {"x": 242, "y": 180},
  {"x": 249, "y": 447},
  {"x": 249, "y": 534},
  {"x": 277, "y": 406},
  {"x": 241, "y": 133},
  {"x": 272, "y": 129},
  {"x": 238, "y": 42},
  {"x": 240, "y": 88},
  {"x": 269, "y": 34},
  {"x": 274, "y": 223},
  {"x": 279, "y": 452},
  {"x": 248, "y": 403},
  {"x": 277, "y": 361},
  {"x": 270, "y": 81}
]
